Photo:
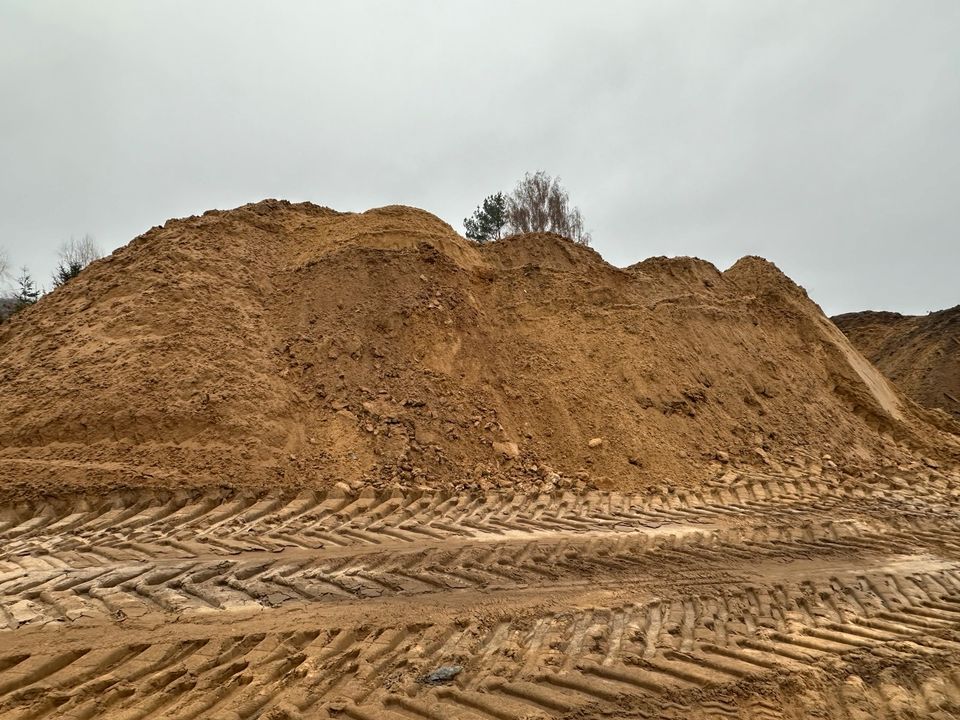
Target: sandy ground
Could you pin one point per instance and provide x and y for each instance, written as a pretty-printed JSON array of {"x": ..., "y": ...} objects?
[
  {"x": 768, "y": 598},
  {"x": 281, "y": 462}
]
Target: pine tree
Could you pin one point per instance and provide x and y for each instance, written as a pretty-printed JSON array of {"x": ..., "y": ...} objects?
[
  {"x": 28, "y": 292},
  {"x": 66, "y": 271},
  {"x": 488, "y": 220}
]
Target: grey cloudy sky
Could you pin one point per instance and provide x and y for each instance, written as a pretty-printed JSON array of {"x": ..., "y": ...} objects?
[{"x": 824, "y": 135}]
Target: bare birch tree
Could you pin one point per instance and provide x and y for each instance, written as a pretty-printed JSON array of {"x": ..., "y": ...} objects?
[
  {"x": 540, "y": 203},
  {"x": 74, "y": 256}
]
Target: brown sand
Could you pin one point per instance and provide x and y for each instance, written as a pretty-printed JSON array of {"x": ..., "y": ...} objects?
[
  {"x": 281, "y": 463},
  {"x": 768, "y": 598},
  {"x": 291, "y": 345},
  {"x": 920, "y": 353}
]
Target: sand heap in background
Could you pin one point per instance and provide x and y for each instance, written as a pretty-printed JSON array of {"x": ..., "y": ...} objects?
[
  {"x": 281, "y": 344},
  {"x": 920, "y": 353}
]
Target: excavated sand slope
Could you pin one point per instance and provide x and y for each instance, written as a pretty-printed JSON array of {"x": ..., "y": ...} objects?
[
  {"x": 287, "y": 344},
  {"x": 920, "y": 353},
  {"x": 157, "y": 561}
]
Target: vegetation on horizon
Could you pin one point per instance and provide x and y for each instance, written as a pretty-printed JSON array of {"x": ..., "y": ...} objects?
[
  {"x": 72, "y": 257},
  {"x": 539, "y": 203}
]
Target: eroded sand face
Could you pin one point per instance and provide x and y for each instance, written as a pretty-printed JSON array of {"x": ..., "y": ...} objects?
[
  {"x": 920, "y": 353},
  {"x": 284, "y": 345},
  {"x": 282, "y": 462}
]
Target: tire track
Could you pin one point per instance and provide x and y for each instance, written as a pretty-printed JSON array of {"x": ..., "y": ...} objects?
[
  {"x": 336, "y": 604},
  {"x": 131, "y": 528},
  {"x": 653, "y": 655},
  {"x": 134, "y": 589}
]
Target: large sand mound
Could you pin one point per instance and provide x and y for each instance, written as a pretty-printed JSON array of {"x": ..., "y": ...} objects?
[
  {"x": 920, "y": 353},
  {"x": 284, "y": 343}
]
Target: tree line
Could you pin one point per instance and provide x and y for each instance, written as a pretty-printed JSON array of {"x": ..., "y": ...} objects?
[
  {"x": 539, "y": 203},
  {"x": 72, "y": 257}
]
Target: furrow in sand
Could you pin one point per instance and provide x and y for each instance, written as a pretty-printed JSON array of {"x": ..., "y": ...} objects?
[{"x": 549, "y": 604}]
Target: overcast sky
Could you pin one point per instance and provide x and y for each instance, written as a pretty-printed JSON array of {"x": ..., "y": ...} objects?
[{"x": 822, "y": 135}]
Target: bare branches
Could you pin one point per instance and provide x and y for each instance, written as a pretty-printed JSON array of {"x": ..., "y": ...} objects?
[
  {"x": 74, "y": 256},
  {"x": 540, "y": 203},
  {"x": 83, "y": 251}
]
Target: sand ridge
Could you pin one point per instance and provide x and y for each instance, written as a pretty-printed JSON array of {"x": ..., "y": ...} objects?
[
  {"x": 281, "y": 462},
  {"x": 920, "y": 353},
  {"x": 284, "y": 344}
]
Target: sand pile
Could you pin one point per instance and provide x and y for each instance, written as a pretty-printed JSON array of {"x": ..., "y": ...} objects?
[
  {"x": 282, "y": 344},
  {"x": 920, "y": 353}
]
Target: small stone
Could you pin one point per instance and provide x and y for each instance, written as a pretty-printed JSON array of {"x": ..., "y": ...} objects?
[
  {"x": 507, "y": 449},
  {"x": 24, "y": 612},
  {"x": 442, "y": 674},
  {"x": 595, "y": 442},
  {"x": 380, "y": 409},
  {"x": 723, "y": 457}
]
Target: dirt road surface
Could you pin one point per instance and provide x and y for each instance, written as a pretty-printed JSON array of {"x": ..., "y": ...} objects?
[{"x": 769, "y": 598}]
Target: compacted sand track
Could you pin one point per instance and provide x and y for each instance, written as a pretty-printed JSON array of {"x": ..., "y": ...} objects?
[{"x": 769, "y": 598}]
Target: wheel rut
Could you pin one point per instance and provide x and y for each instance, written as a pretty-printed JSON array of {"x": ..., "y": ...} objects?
[{"x": 769, "y": 598}]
